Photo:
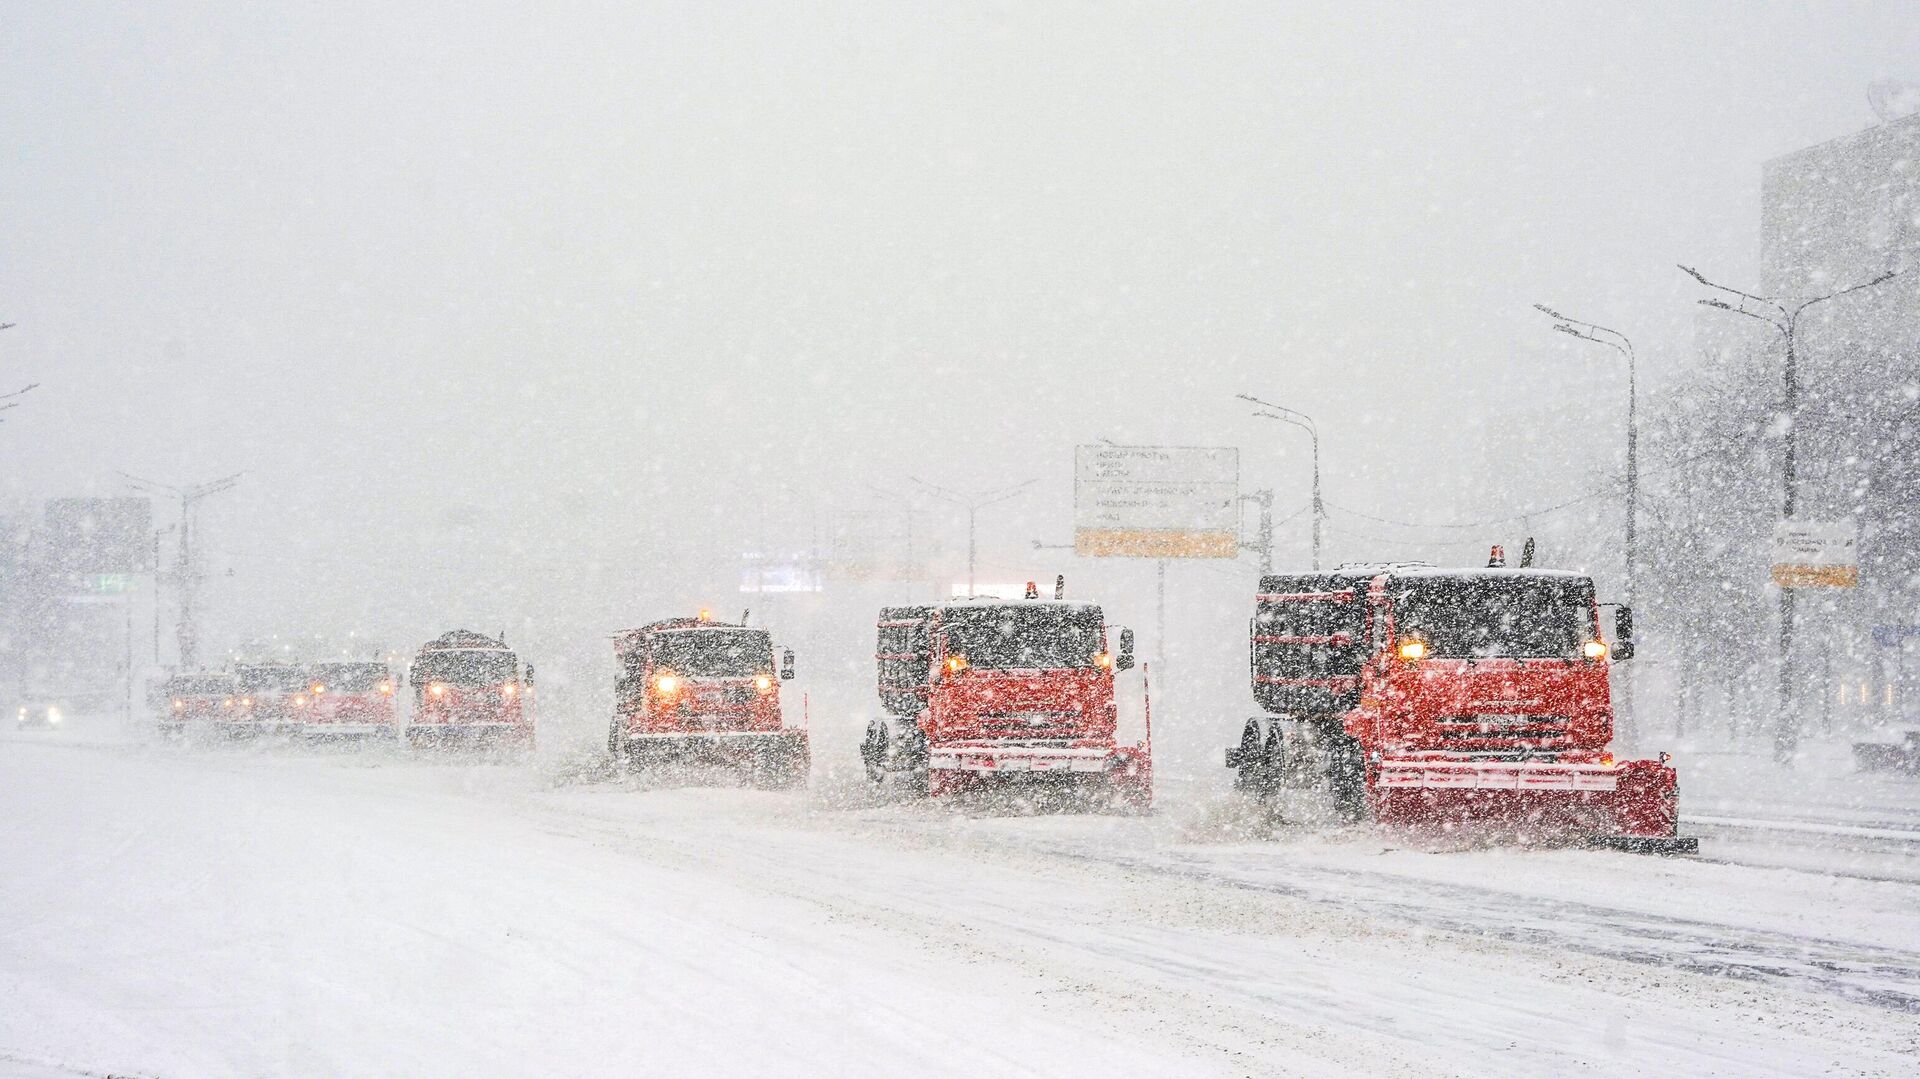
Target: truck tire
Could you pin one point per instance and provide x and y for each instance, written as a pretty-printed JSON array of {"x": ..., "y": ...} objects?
[
  {"x": 1250, "y": 763},
  {"x": 1347, "y": 779},
  {"x": 873, "y": 754}
]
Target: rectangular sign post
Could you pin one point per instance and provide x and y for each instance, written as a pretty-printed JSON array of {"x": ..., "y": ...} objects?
[
  {"x": 1156, "y": 502},
  {"x": 1816, "y": 554}
]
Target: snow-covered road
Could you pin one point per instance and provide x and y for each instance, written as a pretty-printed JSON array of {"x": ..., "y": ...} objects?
[{"x": 172, "y": 912}]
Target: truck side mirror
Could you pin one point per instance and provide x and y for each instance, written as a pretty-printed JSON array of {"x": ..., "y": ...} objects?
[
  {"x": 1124, "y": 662},
  {"x": 528, "y": 677},
  {"x": 1622, "y": 633},
  {"x": 786, "y": 663}
]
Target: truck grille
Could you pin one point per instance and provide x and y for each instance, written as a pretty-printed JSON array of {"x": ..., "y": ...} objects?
[
  {"x": 1492, "y": 731},
  {"x": 1026, "y": 722}
]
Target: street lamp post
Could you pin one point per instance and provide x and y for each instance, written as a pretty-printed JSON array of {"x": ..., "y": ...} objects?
[
  {"x": 1305, "y": 423},
  {"x": 1617, "y": 341},
  {"x": 1785, "y": 320},
  {"x": 973, "y": 503}
]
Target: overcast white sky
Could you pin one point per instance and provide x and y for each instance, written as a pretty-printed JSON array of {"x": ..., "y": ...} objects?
[{"x": 499, "y": 304}]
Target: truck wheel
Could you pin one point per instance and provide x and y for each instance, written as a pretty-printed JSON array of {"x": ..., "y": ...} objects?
[
  {"x": 1248, "y": 764},
  {"x": 1347, "y": 780},
  {"x": 873, "y": 754}
]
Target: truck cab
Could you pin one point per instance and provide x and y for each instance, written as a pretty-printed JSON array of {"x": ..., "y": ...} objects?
[
  {"x": 470, "y": 689},
  {"x": 694, "y": 688}
]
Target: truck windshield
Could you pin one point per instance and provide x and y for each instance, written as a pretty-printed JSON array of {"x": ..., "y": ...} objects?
[
  {"x": 350, "y": 677},
  {"x": 464, "y": 667},
  {"x": 1025, "y": 637},
  {"x": 713, "y": 653},
  {"x": 270, "y": 679},
  {"x": 1481, "y": 617},
  {"x": 200, "y": 687}
]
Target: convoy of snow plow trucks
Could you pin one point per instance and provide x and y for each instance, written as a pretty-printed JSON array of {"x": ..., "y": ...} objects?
[{"x": 1398, "y": 693}]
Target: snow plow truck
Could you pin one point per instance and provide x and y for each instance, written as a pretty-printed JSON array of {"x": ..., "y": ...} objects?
[
  {"x": 697, "y": 690},
  {"x": 980, "y": 690},
  {"x": 469, "y": 690},
  {"x": 349, "y": 699},
  {"x": 1435, "y": 698},
  {"x": 197, "y": 701},
  {"x": 272, "y": 696}
]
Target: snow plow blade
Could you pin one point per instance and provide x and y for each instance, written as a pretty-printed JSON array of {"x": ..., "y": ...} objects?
[
  {"x": 1648, "y": 844},
  {"x": 782, "y": 758},
  {"x": 1128, "y": 769},
  {"x": 1625, "y": 805}
]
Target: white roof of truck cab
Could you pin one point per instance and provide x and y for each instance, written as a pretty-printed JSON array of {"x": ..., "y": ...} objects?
[
  {"x": 1493, "y": 573},
  {"x": 983, "y": 603}
]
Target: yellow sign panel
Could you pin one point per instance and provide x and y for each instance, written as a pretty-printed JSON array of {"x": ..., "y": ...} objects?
[
  {"x": 1153, "y": 543},
  {"x": 1817, "y": 576}
]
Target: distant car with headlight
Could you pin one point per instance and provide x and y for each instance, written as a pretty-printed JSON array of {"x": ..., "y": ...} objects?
[{"x": 39, "y": 715}]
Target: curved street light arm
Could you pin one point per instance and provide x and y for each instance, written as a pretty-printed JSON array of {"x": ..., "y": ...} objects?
[
  {"x": 1722, "y": 305},
  {"x": 1881, "y": 280},
  {"x": 1625, "y": 350},
  {"x": 1744, "y": 296},
  {"x": 1301, "y": 418},
  {"x": 1285, "y": 418},
  {"x": 1591, "y": 327}
]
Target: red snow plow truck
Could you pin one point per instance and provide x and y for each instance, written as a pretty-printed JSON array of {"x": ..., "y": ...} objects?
[
  {"x": 469, "y": 689},
  {"x": 197, "y": 701},
  {"x": 692, "y": 689},
  {"x": 1429, "y": 697},
  {"x": 979, "y": 689},
  {"x": 272, "y": 696},
  {"x": 349, "y": 699}
]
